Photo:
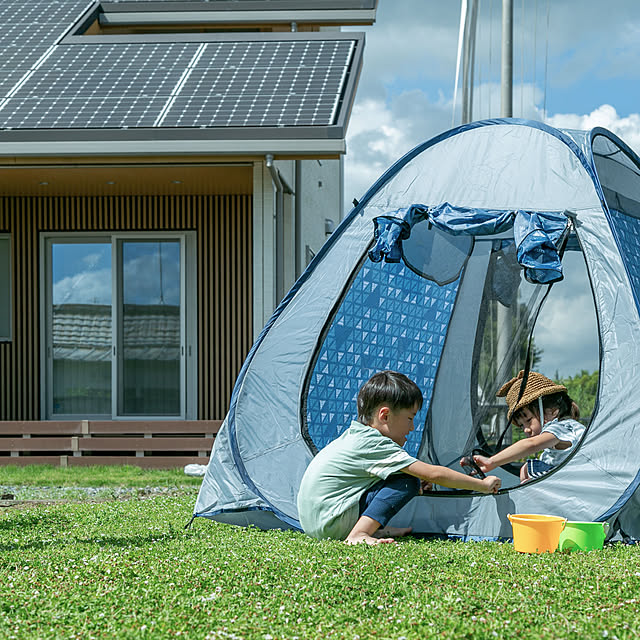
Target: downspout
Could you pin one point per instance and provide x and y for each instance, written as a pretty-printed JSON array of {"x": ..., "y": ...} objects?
[
  {"x": 277, "y": 183},
  {"x": 298, "y": 218}
]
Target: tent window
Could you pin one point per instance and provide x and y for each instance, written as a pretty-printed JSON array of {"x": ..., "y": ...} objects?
[
  {"x": 619, "y": 176},
  {"x": 436, "y": 255},
  {"x": 6, "y": 307},
  {"x": 565, "y": 342}
]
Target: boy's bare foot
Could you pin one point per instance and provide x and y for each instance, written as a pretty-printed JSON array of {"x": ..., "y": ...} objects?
[
  {"x": 392, "y": 532},
  {"x": 359, "y": 537}
]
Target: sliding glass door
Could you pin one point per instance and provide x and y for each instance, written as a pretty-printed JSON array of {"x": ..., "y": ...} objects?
[
  {"x": 117, "y": 328},
  {"x": 79, "y": 343},
  {"x": 150, "y": 334}
]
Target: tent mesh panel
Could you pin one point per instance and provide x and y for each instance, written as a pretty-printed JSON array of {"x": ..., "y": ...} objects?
[{"x": 390, "y": 318}]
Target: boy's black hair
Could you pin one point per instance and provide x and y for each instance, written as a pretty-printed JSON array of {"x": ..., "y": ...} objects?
[{"x": 388, "y": 388}]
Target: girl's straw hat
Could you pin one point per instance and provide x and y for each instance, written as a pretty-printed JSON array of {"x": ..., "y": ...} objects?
[{"x": 537, "y": 386}]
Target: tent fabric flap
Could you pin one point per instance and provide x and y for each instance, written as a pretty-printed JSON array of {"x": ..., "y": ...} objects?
[{"x": 537, "y": 234}]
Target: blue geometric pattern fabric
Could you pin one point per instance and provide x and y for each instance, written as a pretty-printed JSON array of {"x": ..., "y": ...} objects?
[
  {"x": 627, "y": 234},
  {"x": 391, "y": 318}
]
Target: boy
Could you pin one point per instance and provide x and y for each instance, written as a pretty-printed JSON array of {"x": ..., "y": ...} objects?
[{"x": 358, "y": 482}]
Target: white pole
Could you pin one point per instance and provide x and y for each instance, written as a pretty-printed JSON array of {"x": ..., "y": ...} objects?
[
  {"x": 505, "y": 314},
  {"x": 463, "y": 18},
  {"x": 507, "y": 59}
]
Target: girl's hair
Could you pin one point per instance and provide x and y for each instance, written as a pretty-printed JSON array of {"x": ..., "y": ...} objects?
[
  {"x": 388, "y": 388},
  {"x": 567, "y": 408}
]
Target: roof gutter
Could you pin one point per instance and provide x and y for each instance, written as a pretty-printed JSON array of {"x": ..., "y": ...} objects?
[{"x": 97, "y": 146}]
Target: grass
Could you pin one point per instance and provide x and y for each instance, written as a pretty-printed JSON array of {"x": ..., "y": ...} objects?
[
  {"x": 107, "y": 476},
  {"x": 128, "y": 569},
  {"x": 76, "y": 483}
]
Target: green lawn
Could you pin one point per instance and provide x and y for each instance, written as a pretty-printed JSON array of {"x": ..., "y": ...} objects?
[
  {"x": 128, "y": 569},
  {"x": 124, "y": 476}
]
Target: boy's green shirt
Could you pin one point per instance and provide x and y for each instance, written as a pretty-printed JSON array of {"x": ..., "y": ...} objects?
[{"x": 329, "y": 495}]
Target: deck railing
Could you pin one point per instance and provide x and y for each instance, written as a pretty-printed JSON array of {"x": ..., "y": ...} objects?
[{"x": 151, "y": 444}]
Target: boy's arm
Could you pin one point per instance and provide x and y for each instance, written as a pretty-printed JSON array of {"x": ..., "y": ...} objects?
[
  {"x": 453, "y": 479},
  {"x": 521, "y": 449}
]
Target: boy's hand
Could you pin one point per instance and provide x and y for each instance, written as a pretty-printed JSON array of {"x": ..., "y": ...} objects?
[
  {"x": 491, "y": 484},
  {"x": 425, "y": 485}
]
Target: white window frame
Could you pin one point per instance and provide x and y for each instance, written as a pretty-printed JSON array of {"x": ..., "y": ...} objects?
[{"x": 188, "y": 320}]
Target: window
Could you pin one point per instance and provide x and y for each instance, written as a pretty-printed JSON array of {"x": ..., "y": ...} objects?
[
  {"x": 119, "y": 326},
  {"x": 6, "y": 306}
]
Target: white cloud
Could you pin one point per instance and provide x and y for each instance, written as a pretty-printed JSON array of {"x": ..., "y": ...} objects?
[
  {"x": 381, "y": 133},
  {"x": 87, "y": 287},
  {"x": 142, "y": 282},
  {"x": 146, "y": 283},
  {"x": 627, "y": 128}
]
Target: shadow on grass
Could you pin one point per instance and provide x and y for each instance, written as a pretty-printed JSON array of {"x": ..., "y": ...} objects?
[
  {"x": 136, "y": 540},
  {"x": 32, "y": 521},
  {"x": 23, "y": 525}
]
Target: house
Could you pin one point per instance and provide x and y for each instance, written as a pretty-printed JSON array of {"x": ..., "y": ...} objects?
[{"x": 167, "y": 170}]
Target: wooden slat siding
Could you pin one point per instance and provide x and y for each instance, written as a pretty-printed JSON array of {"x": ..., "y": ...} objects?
[
  {"x": 131, "y": 444},
  {"x": 108, "y": 427},
  {"x": 22, "y": 461},
  {"x": 5, "y": 357},
  {"x": 130, "y": 427},
  {"x": 37, "y": 428},
  {"x": 189, "y": 441},
  {"x": 224, "y": 267},
  {"x": 54, "y": 443}
]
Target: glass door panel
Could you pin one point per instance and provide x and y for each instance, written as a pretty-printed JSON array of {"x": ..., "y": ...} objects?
[
  {"x": 151, "y": 328},
  {"x": 80, "y": 330}
]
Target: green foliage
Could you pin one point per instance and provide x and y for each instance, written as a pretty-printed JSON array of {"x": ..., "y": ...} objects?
[
  {"x": 583, "y": 389},
  {"x": 128, "y": 569}
]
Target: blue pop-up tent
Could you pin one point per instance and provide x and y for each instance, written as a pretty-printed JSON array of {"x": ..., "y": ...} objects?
[{"x": 465, "y": 232}]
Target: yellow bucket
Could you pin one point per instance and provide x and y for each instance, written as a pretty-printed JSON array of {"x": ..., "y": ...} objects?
[{"x": 533, "y": 533}]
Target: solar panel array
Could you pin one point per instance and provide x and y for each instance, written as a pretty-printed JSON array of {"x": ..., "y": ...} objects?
[{"x": 48, "y": 84}]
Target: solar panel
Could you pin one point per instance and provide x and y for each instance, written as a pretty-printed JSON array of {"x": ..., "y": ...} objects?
[
  {"x": 45, "y": 83},
  {"x": 262, "y": 84},
  {"x": 83, "y": 112},
  {"x": 40, "y": 11}
]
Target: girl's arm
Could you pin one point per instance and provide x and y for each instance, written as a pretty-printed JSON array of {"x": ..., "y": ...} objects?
[
  {"x": 521, "y": 449},
  {"x": 449, "y": 478}
]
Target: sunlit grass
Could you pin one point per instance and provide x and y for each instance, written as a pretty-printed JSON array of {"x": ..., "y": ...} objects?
[
  {"x": 129, "y": 569},
  {"x": 98, "y": 476}
]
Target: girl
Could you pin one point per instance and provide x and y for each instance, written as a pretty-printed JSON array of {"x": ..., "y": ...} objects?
[{"x": 549, "y": 418}]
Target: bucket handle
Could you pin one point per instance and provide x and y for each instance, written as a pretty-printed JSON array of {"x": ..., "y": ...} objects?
[
  {"x": 564, "y": 523},
  {"x": 605, "y": 526}
]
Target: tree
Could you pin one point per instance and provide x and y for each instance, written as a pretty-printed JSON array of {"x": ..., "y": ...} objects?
[{"x": 583, "y": 390}]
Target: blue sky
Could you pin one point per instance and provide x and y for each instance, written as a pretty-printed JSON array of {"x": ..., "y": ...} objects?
[{"x": 585, "y": 69}]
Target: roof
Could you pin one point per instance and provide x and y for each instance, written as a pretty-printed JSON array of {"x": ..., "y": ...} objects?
[
  {"x": 67, "y": 89},
  {"x": 83, "y": 332}
]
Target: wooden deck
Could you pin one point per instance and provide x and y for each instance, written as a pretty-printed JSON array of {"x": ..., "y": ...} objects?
[{"x": 150, "y": 444}]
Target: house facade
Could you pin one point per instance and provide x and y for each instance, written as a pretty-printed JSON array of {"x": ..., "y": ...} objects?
[{"x": 167, "y": 170}]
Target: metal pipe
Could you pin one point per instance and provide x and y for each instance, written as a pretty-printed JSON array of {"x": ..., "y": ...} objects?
[
  {"x": 468, "y": 60},
  {"x": 507, "y": 60},
  {"x": 277, "y": 183},
  {"x": 298, "y": 218}
]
